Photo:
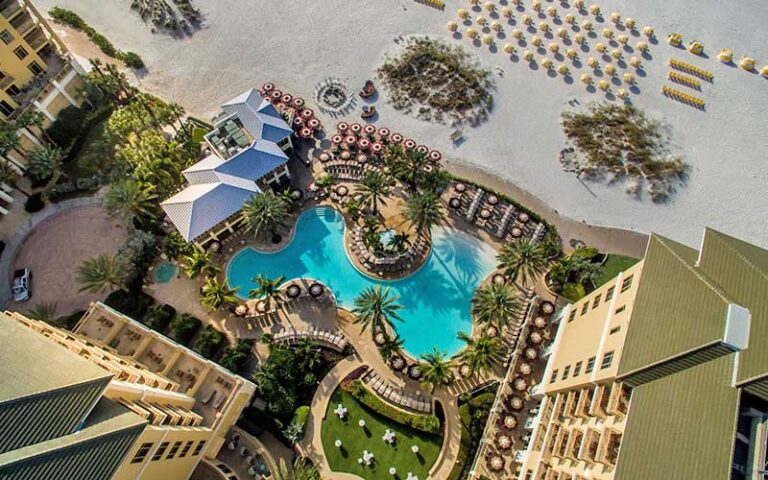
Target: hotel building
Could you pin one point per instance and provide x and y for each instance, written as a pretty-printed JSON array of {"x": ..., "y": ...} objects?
[
  {"x": 186, "y": 403},
  {"x": 661, "y": 373}
]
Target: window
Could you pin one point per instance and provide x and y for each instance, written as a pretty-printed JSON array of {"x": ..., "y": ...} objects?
[
  {"x": 6, "y": 36},
  {"x": 185, "y": 450},
  {"x": 620, "y": 309},
  {"x": 174, "y": 449},
  {"x": 141, "y": 454},
  {"x": 20, "y": 52},
  {"x": 566, "y": 372},
  {"x": 553, "y": 377},
  {"x": 35, "y": 68},
  {"x": 6, "y": 108},
  {"x": 584, "y": 308},
  {"x": 626, "y": 284},
  {"x": 12, "y": 90},
  {"x": 577, "y": 368},
  {"x": 160, "y": 451},
  {"x": 590, "y": 365},
  {"x": 609, "y": 293},
  {"x": 607, "y": 360},
  {"x": 596, "y": 302},
  {"x": 198, "y": 448},
  {"x": 614, "y": 330},
  {"x": 572, "y": 316}
]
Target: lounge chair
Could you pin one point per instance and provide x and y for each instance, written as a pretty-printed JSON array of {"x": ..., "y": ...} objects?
[
  {"x": 368, "y": 89},
  {"x": 368, "y": 111}
]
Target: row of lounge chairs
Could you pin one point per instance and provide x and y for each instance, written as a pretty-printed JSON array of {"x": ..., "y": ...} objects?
[
  {"x": 682, "y": 97},
  {"x": 348, "y": 170},
  {"x": 396, "y": 395},
  {"x": 691, "y": 69},
  {"x": 331, "y": 339}
]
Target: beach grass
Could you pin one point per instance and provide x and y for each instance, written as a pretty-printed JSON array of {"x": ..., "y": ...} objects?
[
  {"x": 356, "y": 439},
  {"x": 613, "y": 265}
]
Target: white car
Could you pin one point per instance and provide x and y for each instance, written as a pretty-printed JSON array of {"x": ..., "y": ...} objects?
[{"x": 21, "y": 285}]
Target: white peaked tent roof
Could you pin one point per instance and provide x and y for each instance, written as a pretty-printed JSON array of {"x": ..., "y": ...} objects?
[{"x": 254, "y": 113}]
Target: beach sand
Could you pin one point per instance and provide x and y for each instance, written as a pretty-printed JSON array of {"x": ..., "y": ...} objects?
[{"x": 296, "y": 44}]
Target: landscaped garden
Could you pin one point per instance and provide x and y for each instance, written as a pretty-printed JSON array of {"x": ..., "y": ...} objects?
[
  {"x": 612, "y": 266},
  {"x": 356, "y": 439}
]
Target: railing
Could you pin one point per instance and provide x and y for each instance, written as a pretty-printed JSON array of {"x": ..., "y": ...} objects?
[{"x": 11, "y": 9}]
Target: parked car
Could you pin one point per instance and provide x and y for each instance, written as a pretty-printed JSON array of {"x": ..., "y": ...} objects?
[{"x": 21, "y": 284}]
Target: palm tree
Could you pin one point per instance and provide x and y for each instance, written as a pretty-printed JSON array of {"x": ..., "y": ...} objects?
[
  {"x": 105, "y": 272},
  {"x": 437, "y": 370},
  {"x": 265, "y": 213},
  {"x": 303, "y": 469},
  {"x": 522, "y": 260},
  {"x": 482, "y": 354},
  {"x": 45, "y": 164},
  {"x": 376, "y": 308},
  {"x": 495, "y": 304},
  {"x": 406, "y": 165},
  {"x": 217, "y": 294},
  {"x": 129, "y": 198},
  {"x": 200, "y": 262},
  {"x": 268, "y": 289},
  {"x": 424, "y": 210},
  {"x": 374, "y": 186},
  {"x": 324, "y": 183},
  {"x": 391, "y": 347},
  {"x": 43, "y": 311}
]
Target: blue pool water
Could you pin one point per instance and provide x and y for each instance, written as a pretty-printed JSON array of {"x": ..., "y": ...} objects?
[
  {"x": 165, "y": 272},
  {"x": 436, "y": 299}
]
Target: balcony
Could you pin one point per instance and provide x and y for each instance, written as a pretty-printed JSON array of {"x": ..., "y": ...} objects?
[
  {"x": 36, "y": 39},
  {"x": 23, "y": 23},
  {"x": 9, "y": 8},
  {"x": 6, "y": 82}
]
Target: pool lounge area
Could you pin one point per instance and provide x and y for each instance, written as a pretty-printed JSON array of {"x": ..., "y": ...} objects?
[{"x": 436, "y": 299}]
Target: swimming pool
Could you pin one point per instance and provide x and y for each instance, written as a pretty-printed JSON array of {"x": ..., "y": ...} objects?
[
  {"x": 165, "y": 272},
  {"x": 436, "y": 299}
]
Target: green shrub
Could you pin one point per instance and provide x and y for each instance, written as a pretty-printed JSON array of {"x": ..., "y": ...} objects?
[
  {"x": 587, "y": 253},
  {"x": 295, "y": 431},
  {"x": 131, "y": 304},
  {"x": 301, "y": 415},
  {"x": 132, "y": 59},
  {"x": 158, "y": 317},
  {"x": 68, "y": 322},
  {"x": 70, "y": 124},
  {"x": 574, "y": 291},
  {"x": 473, "y": 414},
  {"x": 236, "y": 355},
  {"x": 102, "y": 42},
  {"x": 424, "y": 423},
  {"x": 67, "y": 16},
  {"x": 209, "y": 342},
  {"x": 184, "y": 327}
]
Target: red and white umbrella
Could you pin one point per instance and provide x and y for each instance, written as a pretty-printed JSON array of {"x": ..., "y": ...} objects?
[
  {"x": 383, "y": 132},
  {"x": 307, "y": 113},
  {"x": 268, "y": 87},
  {"x": 364, "y": 143},
  {"x": 396, "y": 138},
  {"x": 313, "y": 123},
  {"x": 298, "y": 121},
  {"x": 305, "y": 132},
  {"x": 337, "y": 139},
  {"x": 422, "y": 149},
  {"x": 435, "y": 156},
  {"x": 350, "y": 140},
  {"x": 287, "y": 98},
  {"x": 409, "y": 143},
  {"x": 298, "y": 102},
  {"x": 377, "y": 147},
  {"x": 356, "y": 127},
  {"x": 369, "y": 129},
  {"x": 276, "y": 94},
  {"x": 342, "y": 127}
]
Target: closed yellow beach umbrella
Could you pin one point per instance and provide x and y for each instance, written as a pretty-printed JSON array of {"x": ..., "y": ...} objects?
[
  {"x": 506, "y": 12},
  {"x": 622, "y": 93},
  {"x": 579, "y": 38},
  {"x": 496, "y": 26},
  {"x": 471, "y": 33},
  {"x": 764, "y": 71},
  {"x": 600, "y": 47},
  {"x": 536, "y": 5},
  {"x": 527, "y": 19},
  {"x": 553, "y": 47},
  {"x": 648, "y": 31},
  {"x": 570, "y": 18},
  {"x": 630, "y": 23},
  {"x": 544, "y": 26},
  {"x": 725, "y": 55},
  {"x": 528, "y": 55},
  {"x": 481, "y": 20},
  {"x": 474, "y": 2},
  {"x": 629, "y": 78},
  {"x": 517, "y": 33},
  {"x": 509, "y": 48},
  {"x": 563, "y": 70},
  {"x": 615, "y": 17},
  {"x": 453, "y": 26},
  {"x": 616, "y": 53},
  {"x": 622, "y": 39},
  {"x": 571, "y": 53},
  {"x": 562, "y": 32},
  {"x": 609, "y": 69},
  {"x": 642, "y": 46},
  {"x": 552, "y": 11},
  {"x": 535, "y": 41},
  {"x": 490, "y": 6},
  {"x": 585, "y": 78},
  {"x": 488, "y": 39},
  {"x": 603, "y": 85},
  {"x": 587, "y": 25},
  {"x": 594, "y": 10},
  {"x": 546, "y": 63},
  {"x": 696, "y": 48},
  {"x": 517, "y": 3},
  {"x": 462, "y": 14},
  {"x": 578, "y": 4},
  {"x": 607, "y": 33},
  {"x": 635, "y": 62},
  {"x": 592, "y": 62},
  {"x": 747, "y": 63}
]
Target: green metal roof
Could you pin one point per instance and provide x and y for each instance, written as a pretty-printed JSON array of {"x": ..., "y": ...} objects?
[
  {"x": 682, "y": 426},
  {"x": 677, "y": 308},
  {"x": 93, "y": 452}
]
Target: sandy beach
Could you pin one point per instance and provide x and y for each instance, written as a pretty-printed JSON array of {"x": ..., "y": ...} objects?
[{"x": 297, "y": 44}]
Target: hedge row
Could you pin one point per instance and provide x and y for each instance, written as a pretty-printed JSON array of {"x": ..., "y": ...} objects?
[
  {"x": 74, "y": 20},
  {"x": 424, "y": 423}
]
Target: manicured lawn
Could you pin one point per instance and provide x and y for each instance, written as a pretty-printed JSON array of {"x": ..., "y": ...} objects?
[
  {"x": 355, "y": 439},
  {"x": 615, "y": 264}
]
